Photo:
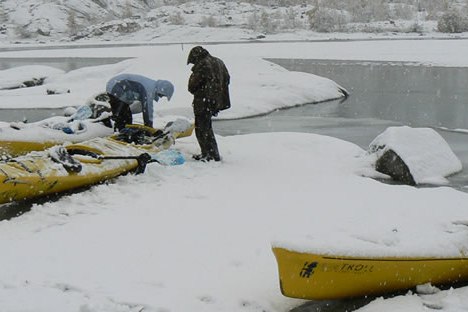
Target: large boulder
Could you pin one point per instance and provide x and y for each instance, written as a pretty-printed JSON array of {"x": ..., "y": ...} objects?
[{"x": 414, "y": 155}]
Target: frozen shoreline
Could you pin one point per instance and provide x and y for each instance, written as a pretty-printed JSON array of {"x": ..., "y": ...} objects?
[{"x": 189, "y": 237}]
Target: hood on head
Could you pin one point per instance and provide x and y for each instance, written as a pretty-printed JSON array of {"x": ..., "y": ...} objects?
[
  {"x": 164, "y": 88},
  {"x": 196, "y": 54}
]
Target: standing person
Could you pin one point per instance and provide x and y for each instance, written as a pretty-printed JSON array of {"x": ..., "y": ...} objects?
[
  {"x": 209, "y": 84},
  {"x": 125, "y": 89}
]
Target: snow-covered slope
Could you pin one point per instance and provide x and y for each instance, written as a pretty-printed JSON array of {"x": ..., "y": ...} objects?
[
  {"x": 156, "y": 20},
  {"x": 52, "y": 18}
]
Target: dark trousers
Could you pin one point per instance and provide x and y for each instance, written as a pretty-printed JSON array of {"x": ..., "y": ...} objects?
[
  {"x": 121, "y": 113},
  {"x": 205, "y": 135}
]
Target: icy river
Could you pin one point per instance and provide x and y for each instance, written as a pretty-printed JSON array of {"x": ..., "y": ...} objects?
[{"x": 382, "y": 95}]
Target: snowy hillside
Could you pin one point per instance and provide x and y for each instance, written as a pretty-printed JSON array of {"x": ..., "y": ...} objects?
[{"x": 72, "y": 20}]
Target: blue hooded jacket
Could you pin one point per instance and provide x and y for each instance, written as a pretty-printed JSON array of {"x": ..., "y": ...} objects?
[{"x": 132, "y": 87}]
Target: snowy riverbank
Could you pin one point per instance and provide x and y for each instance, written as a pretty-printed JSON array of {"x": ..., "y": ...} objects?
[{"x": 198, "y": 236}]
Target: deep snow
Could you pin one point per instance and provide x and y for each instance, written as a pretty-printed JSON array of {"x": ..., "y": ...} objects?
[{"x": 198, "y": 236}]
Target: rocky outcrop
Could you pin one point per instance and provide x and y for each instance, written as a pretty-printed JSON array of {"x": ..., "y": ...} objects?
[
  {"x": 391, "y": 164},
  {"x": 414, "y": 155}
]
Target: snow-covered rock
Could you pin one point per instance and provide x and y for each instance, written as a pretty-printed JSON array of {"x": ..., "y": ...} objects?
[
  {"x": 24, "y": 76},
  {"x": 414, "y": 155}
]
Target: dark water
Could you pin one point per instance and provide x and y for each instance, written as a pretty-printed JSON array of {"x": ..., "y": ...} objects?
[
  {"x": 64, "y": 63},
  {"x": 413, "y": 95},
  {"x": 29, "y": 114},
  {"x": 382, "y": 95}
]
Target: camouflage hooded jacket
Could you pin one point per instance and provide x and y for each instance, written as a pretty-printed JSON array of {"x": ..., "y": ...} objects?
[{"x": 209, "y": 82}]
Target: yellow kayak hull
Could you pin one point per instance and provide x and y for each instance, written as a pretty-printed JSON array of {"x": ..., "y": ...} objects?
[
  {"x": 14, "y": 148},
  {"x": 325, "y": 277},
  {"x": 37, "y": 174}
]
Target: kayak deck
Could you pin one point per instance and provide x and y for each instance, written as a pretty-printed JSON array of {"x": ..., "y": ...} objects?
[
  {"x": 320, "y": 277},
  {"x": 14, "y": 143},
  {"x": 40, "y": 173}
]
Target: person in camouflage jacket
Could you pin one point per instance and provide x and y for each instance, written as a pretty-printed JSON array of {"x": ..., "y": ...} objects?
[{"x": 209, "y": 84}]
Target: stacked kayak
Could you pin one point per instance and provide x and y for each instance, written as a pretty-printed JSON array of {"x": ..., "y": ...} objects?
[
  {"x": 70, "y": 166},
  {"x": 16, "y": 141},
  {"x": 323, "y": 277},
  {"x": 87, "y": 122},
  {"x": 18, "y": 138}
]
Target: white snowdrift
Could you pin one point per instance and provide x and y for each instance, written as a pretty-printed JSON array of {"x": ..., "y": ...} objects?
[
  {"x": 257, "y": 86},
  {"x": 198, "y": 236},
  {"x": 14, "y": 77},
  {"x": 427, "y": 155}
]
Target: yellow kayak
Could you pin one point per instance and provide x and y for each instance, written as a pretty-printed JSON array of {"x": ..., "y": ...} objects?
[
  {"x": 320, "y": 277},
  {"x": 25, "y": 138},
  {"x": 22, "y": 138},
  {"x": 15, "y": 148},
  {"x": 72, "y": 166}
]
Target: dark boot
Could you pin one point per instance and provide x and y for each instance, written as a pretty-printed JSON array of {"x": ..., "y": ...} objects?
[
  {"x": 205, "y": 158},
  {"x": 198, "y": 156}
]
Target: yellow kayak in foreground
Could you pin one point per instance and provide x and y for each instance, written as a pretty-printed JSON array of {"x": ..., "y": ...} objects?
[
  {"x": 72, "y": 166},
  {"x": 320, "y": 277}
]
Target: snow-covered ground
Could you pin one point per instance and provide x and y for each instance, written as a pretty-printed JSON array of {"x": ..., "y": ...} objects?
[
  {"x": 198, "y": 236},
  {"x": 261, "y": 88},
  {"x": 33, "y": 21}
]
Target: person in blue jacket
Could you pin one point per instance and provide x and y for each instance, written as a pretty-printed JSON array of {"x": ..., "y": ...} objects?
[{"x": 125, "y": 89}]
